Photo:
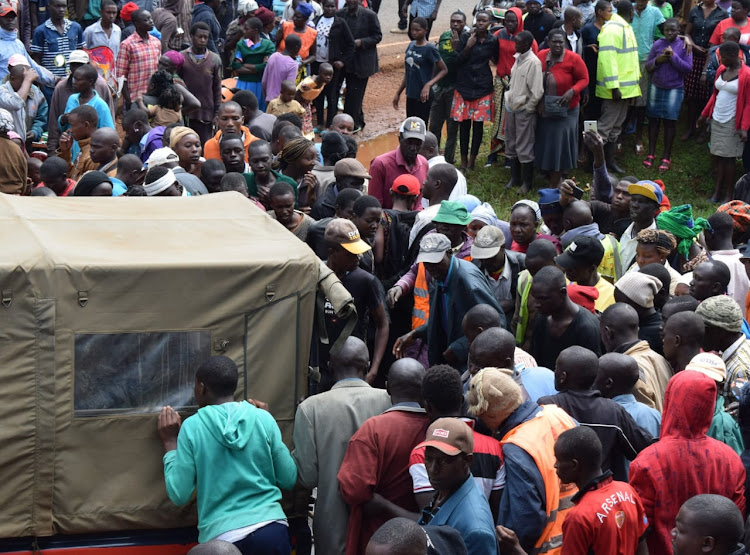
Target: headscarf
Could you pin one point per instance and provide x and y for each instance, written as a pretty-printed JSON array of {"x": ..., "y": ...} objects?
[
  {"x": 246, "y": 7},
  {"x": 680, "y": 223},
  {"x": 469, "y": 201},
  {"x": 6, "y": 121},
  {"x": 179, "y": 133},
  {"x": 305, "y": 9},
  {"x": 485, "y": 213},
  {"x": 265, "y": 15},
  {"x": 664, "y": 241},
  {"x": 176, "y": 58},
  {"x": 126, "y": 13},
  {"x": 159, "y": 185},
  {"x": 740, "y": 213},
  {"x": 89, "y": 182},
  {"x": 531, "y": 204}
]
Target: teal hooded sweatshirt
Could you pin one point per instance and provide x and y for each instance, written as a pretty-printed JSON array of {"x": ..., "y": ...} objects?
[{"x": 233, "y": 455}]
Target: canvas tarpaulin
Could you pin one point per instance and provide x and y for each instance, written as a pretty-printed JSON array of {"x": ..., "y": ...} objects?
[{"x": 107, "y": 308}]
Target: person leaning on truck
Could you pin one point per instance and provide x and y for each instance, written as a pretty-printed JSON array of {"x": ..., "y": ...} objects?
[{"x": 233, "y": 453}]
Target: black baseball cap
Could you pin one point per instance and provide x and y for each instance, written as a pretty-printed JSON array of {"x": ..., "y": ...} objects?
[{"x": 583, "y": 251}]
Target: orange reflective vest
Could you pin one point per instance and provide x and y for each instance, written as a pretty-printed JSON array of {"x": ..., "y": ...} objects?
[
  {"x": 421, "y": 311},
  {"x": 537, "y": 437}
]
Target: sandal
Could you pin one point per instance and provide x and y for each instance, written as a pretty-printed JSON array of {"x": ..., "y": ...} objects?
[
  {"x": 664, "y": 166},
  {"x": 649, "y": 161},
  {"x": 639, "y": 150}
]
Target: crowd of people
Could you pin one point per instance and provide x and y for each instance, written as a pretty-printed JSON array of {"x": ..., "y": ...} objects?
[{"x": 568, "y": 374}]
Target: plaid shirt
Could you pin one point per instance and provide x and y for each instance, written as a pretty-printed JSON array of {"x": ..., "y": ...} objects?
[
  {"x": 137, "y": 61},
  {"x": 737, "y": 359}
]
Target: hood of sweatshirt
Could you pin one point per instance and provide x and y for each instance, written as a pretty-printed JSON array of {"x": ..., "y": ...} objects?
[
  {"x": 519, "y": 16},
  {"x": 688, "y": 405},
  {"x": 231, "y": 424}
]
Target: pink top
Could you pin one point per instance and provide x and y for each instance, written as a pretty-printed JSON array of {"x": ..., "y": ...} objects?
[{"x": 279, "y": 68}]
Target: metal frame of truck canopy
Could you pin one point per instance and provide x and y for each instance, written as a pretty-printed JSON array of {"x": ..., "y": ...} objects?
[{"x": 107, "y": 307}]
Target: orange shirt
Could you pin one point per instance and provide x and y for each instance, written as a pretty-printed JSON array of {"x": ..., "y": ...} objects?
[{"x": 308, "y": 38}]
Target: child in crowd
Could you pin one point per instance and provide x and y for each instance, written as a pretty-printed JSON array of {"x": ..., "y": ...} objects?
[
  {"x": 83, "y": 122},
  {"x": 250, "y": 59},
  {"x": 669, "y": 62},
  {"x": 285, "y": 103},
  {"x": 54, "y": 176},
  {"x": 281, "y": 66},
  {"x": 420, "y": 61},
  {"x": 308, "y": 90},
  {"x": 84, "y": 80},
  {"x": 168, "y": 110}
]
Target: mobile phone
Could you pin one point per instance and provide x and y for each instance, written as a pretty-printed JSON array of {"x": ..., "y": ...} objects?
[
  {"x": 590, "y": 125},
  {"x": 577, "y": 191}
]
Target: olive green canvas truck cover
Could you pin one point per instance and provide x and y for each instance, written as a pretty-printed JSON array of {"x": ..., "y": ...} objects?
[{"x": 107, "y": 308}]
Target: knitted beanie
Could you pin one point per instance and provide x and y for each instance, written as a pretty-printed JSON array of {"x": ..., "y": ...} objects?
[
  {"x": 721, "y": 312},
  {"x": 639, "y": 288},
  {"x": 492, "y": 390}
]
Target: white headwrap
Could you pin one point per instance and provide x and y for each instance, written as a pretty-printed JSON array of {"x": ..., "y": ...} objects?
[
  {"x": 161, "y": 184},
  {"x": 485, "y": 213},
  {"x": 534, "y": 208},
  {"x": 6, "y": 121}
]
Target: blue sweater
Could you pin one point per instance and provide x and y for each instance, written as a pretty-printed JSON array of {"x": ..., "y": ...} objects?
[{"x": 233, "y": 453}]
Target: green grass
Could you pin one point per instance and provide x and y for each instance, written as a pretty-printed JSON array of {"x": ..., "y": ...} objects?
[{"x": 689, "y": 181}]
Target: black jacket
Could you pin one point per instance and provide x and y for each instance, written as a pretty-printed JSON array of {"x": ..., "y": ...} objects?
[
  {"x": 365, "y": 26},
  {"x": 621, "y": 437},
  {"x": 340, "y": 42},
  {"x": 325, "y": 206}
]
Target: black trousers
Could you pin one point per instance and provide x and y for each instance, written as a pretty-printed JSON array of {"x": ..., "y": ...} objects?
[
  {"x": 355, "y": 94},
  {"x": 330, "y": 93},
  {"x": 401, "y": 19},
  {"x": 419, "y": 109}
]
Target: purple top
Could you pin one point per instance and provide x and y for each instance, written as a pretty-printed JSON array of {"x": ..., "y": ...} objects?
[
  {"x": 669, "y": 75},
  {"x": 279, "y": 68}
]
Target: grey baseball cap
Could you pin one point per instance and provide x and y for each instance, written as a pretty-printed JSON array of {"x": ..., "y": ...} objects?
[{"x": 432, "y": 248}]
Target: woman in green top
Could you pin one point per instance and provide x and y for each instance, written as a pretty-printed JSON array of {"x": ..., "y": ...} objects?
[{"x": 250, "y": 59}]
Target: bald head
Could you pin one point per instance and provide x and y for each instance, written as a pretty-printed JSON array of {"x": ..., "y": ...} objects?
[
  {"x": 405, "y": 380},
  {"x": 577, "y": 214},
  {"x": 688, "y": 327},
  {"x": 215, "y": 547},
  {"x": 106, "y": 134},
  {"x": 429, "y": 146},
  {"x": 618, "y": 374},
  {"x": 479, "y": 318},
  {"x": 571, "y": 13},
  {"x": 229, "y": 105},
  {"x": 716, "y": 521},
  {"x": 618, "y": 325},
  {"x": 398, "y": 536},
  {"x": 576, "y": 369},
  {"x": 446, "y": 174},
  {"x": 352, "y": 360},
  {"x": 493, "y": 348}
]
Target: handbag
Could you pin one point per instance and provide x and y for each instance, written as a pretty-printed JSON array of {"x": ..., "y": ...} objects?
[{"x": 552, "y": 109}]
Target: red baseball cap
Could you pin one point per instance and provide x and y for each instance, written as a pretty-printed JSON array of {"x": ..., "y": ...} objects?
[{"x": 406, "y": 184}]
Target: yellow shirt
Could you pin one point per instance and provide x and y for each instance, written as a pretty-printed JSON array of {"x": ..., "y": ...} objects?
[{"x": 606, "y": 295}]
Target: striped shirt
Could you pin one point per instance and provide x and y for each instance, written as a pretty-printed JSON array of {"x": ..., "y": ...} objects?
[
  {"x": 137, "y": 61},
  {"x": 737, "y": 359},
  {"x": 48, "y": 42}
]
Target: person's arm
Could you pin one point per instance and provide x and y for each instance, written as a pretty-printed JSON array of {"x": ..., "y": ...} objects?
[
  {"x": 40, "y": 119},
  {"x": 535, "y": 84},
  {"x": 285, "y": 470},
  {"x": 655, "y": 58},
  {"x": 434, "y": 14},
  {"x": 608, "y": 59},
  {"x": 305, "y": 453},
  {"x": 379, "y": 505},
  {"x": 34, "y": 14},
  {"x": 122, "y": 67},
  {"x": 382, "y": 327},
  {"x": 682, "y": 61},
  {"x": 400, "y": 89},
  {"x": 523, "y": 506},
  {"x": 189, "y": 102},
  {"x": 280, "y": 35},
  {"x": 715, "y": 39},
  {"x": 376, "y": 187},
  {"x": 640, "y": 480},
  {"x": 358, "y": 472},
  {"x": 179, "y": 463},
  {"x": 601, "y": 188},
  {"x": 494, "y": 500},
  {"x": 375, "y": 34},
  {"x": 216, "y": 76},
  {"x": 10, "y": 100},
  {"x": 709, "y": 69},
  {"x": 442, "y": 71},
  {"x": 311, "y": 54}
]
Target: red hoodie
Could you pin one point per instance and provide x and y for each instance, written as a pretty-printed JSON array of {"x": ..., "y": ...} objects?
[
  {"x": 684, "y": 462},
  {"x": 507, "y": 46}
]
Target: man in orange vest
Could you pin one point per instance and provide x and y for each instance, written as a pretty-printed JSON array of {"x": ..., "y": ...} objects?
[{"x": 535, "y": 502}]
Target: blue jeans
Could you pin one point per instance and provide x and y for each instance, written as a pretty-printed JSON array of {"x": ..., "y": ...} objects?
[{"x": 272, "y": 539}]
